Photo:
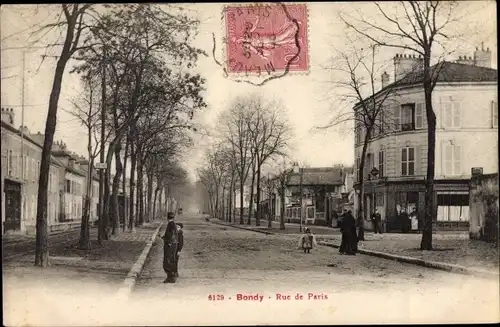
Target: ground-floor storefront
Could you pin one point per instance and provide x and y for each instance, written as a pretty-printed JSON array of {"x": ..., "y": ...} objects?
[{"x": 400, "y": 202}]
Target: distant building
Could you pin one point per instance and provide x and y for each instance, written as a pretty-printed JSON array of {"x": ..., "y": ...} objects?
[{"x": 465, "y": 101}]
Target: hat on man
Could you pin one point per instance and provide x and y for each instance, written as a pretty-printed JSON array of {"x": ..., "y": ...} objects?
[{"x": 170, "y": 215}]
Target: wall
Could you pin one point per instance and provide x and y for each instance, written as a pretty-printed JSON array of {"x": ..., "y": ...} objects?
[
  {"x": 475, "y": 135},
  {"x": 483, "y": 203},
  {"x": 10, "y": 141},
  {"x": 73, "y": 201}
]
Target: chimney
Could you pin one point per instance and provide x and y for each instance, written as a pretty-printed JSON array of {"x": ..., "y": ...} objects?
[
  {"x": 8, "y": 115},
  {"x": 482, "y": 58},
  {"x": 465, "y": 60},
  {"x": 404, "y": 64},
  {"x": 385, "y": 79},
  {"x": 24, "y": 129}
]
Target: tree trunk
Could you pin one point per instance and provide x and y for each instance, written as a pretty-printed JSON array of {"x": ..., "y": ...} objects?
[
  {"x": 230, "y": 217},
  {"x": 361, "y": 218},
  {"x": 149, "y": 212},
  {"x": 257, "y": 219},
  {"x": 250, "y": 205},
  {"x": 116, "y": 186},
  {"x": 155, "y": 207},
  {"x": 426, "y": 243},
  {"x": 140, "y": 191},
  {"x": 269, "y": 207},
  {"x": 107, "y": 193},
  {"x": 242, "y": 207},
  {"x": 133, "y": 164},
  {"x": 223, "y": 209},
  {"x": 282, "y": 213},
  {"x": 84, "y": 242},
  {"x": 124, "y": 184}
]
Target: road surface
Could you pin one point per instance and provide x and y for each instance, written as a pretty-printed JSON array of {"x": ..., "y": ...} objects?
[{"x": 232, "y": 276}]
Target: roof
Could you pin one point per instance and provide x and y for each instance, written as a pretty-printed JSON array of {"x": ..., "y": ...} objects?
[
  {"x": 449, "y": 72},
  {"x": 318, "y": 176},
  {"x": 31, "y": 139}
]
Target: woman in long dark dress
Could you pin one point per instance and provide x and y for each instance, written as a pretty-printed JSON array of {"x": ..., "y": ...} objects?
[{"x": 349, "y": 227}]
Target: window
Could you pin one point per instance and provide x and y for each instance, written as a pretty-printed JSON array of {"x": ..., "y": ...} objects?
[
  {"x": 25, "y": 167},
  {"x": 419, "y": 115},
  {"x": 9, "y": 162},
  {"x": 379, "y": 199},
  {"x": 408, "y": 161},
  {"x": 68, "y": 186},
  {"x": 407, "y": 117},
  {"x": 451, "y": 114},
  {"x": 50, "y": 182},
  {"x": 381, "y": 164},
  {"x": 381, "y": 122},
  {"x": 37, "y": 169},
  {"x": 452, "y": 207},
  {"x": 452, "y": 160},
  {"x": 397, "y": 118},
  {"x": 494, "y": 114}
]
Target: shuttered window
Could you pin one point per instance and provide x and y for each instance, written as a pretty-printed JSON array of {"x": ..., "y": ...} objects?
[
  {"x": 452, "y": 160},
  {"x": 407, "y": 161}
]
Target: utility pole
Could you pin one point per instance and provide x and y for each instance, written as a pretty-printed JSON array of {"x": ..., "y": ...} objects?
[
  {"x": 301, "y": 198},
  {"x": 103, "y": 149},
  {"x": 23, "y": 168}
]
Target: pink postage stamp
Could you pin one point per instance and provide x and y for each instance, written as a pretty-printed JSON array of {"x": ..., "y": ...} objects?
[{"x": 263, "y": 39}]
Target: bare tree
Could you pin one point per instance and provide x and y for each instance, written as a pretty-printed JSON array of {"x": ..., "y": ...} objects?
[
  {"x": 88, "y": 114},
  {"x": 363, "y": 105},
  {"x": 72, "y": 23},
  {"x": 236, "y": 123},
  {"x": 270, "y": 135},
  {"x": 417, "y": 27}
]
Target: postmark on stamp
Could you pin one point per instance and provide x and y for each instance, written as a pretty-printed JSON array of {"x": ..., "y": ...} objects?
[{"x": 265, "y": 40}]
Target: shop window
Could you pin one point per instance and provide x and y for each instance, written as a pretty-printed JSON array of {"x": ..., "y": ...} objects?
[{"x": 453, "y": 207}]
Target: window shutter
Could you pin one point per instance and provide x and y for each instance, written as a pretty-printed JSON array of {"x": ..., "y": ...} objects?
[
  {"x": 418, "y": 170},
  {"x": 456, "y": 114},
  {"x": 447, "y": 114},
  {"x": 448, "y": 159},
  {"x": 424, "y": 116},
  {"x": 457, "y": 160},
  {"x": 401, "y": 155},
  {"x": 419, "y": 115},
  {"x": 494, "y": 114}
]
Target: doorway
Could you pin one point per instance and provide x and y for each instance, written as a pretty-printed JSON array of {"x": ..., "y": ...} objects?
[{"x": 12, "y": 192}]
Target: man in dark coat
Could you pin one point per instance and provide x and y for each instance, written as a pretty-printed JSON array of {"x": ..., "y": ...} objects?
[
  {"x": 180, "y": 245},
  {"x": 170, "y": 241},
  {"x": 376, "y": 218}
]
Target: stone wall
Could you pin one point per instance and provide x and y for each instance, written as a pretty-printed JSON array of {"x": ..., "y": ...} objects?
[{"x": 483, "y": 202}]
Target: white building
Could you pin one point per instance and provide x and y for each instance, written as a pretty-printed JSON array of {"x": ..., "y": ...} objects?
[{"x": 465, "y": 102}]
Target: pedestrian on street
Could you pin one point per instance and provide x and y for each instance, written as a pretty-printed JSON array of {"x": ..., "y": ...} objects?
[
  {"x": 376, "y": 218},
  {"x": 307, "y": 241},
  {"x": 180, "y": 244},
  {"x": 344, "y": 235},
  {"x": 170, "y": 240},
  {"x": 349, "y": 243}
]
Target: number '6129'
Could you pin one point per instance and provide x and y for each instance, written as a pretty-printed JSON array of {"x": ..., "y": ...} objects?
[{"x": 216, "y": 297}]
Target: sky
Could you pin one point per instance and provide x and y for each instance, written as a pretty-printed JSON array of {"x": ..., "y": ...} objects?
[{"x": 306, "y": 97}]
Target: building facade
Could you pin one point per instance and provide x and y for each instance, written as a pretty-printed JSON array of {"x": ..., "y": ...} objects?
[
  {"x": 20, "y": 166},
  {"x": 466, "y": 106}
]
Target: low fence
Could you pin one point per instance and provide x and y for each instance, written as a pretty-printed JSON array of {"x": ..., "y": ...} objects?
[{"x": 483, "y": 206}]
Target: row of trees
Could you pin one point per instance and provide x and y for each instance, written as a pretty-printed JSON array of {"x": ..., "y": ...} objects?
[
  {"x": 252, "y": 132},
  {"x": 135, "y": 62}
]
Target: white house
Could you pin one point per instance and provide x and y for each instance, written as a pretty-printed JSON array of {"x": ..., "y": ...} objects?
[{"x": 465, "y": 102}]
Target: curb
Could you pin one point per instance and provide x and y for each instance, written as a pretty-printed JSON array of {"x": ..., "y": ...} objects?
[
  {"x": 244, "y": 228},
  {"x": 423, "y": 263},
  {"x": 136, "y": 270}
]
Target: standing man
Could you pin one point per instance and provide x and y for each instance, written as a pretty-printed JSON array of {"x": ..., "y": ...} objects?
[
  {"x": 376, "y": 218},
  {"x": 170, "y": 240},
  {"x": 180, "y": 244}
]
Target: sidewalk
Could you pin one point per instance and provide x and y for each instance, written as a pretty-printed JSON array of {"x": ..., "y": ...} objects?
[
  {"x": 112, "y": 260},
  {"x": 290, "y": 228},
  {"x": 449, "y": 248}
]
